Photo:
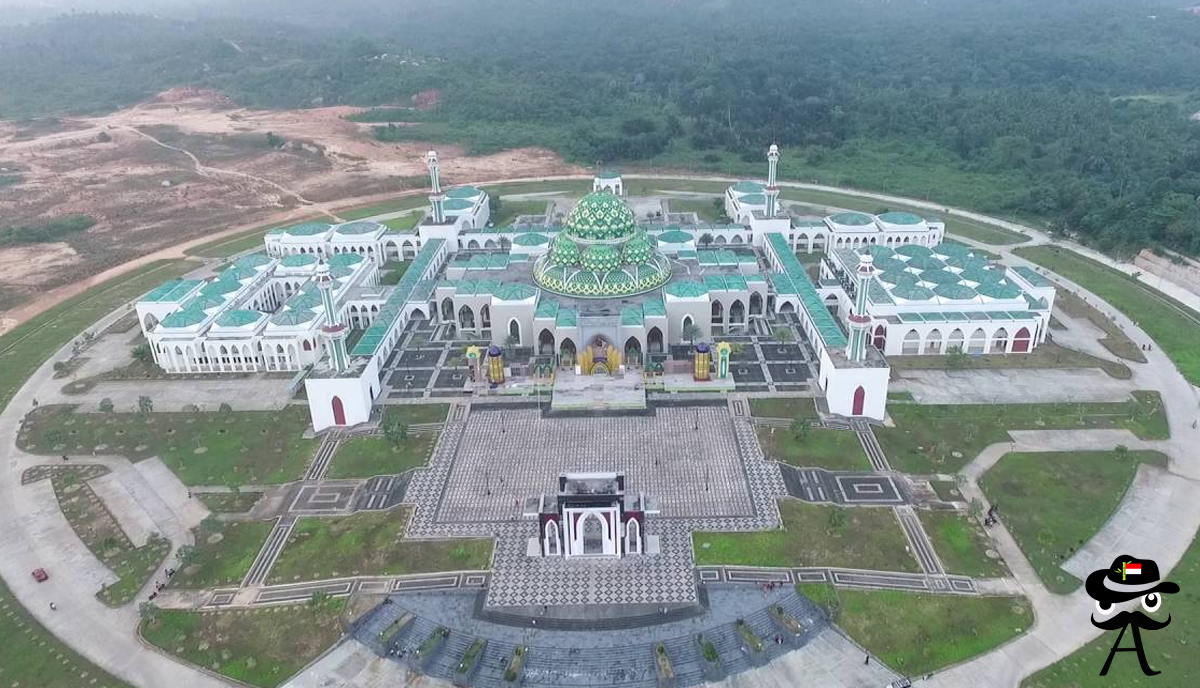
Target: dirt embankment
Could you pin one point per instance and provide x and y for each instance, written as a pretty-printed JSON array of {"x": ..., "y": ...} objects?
[{"x": 188, "y": 165}]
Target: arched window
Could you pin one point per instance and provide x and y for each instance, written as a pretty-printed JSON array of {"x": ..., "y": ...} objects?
[
  {"x": 654, "y": 340},
  {"x": 933, "y": 342},
  {"x": 912, "y": 343},
  {"x": 756, "y": 303},
  {"x": 633, "y": 537},
  {"x": 447, "y": 310},
  {"x": 514, "y": 330},
  {"x": 339, "y": 411},
  {"x": 485, "y": 317},
  {"x": 552, "y": 542},
  {"x": 1021, "y": 341},
  {"x": 1000, "y": 341},
  {"x": 880, "y": 338},
  {"x": 466, "y": 318},
  {"x": 633, "y": 351},
  {"x": 737, "y": 313},
  {"x": 978, "y": 342},
  {"x": 718, "y": 312},
  {"x": 860, "y": 401},
  {"x": 955, "y": 341},
  {"x": 546, "y": 343}
]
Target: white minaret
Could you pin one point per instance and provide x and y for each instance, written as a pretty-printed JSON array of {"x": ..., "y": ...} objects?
[
  {"x": 334, "y": 331},
  {"x": 436, "y": 197},
  {"x": 859, "y": 321},
  {"x": 772, "y": 190}
]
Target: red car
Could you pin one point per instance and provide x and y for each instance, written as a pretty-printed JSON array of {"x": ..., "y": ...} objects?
[{"x": 40, "y": 575}]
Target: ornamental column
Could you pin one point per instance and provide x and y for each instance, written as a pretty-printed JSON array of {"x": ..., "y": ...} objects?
[
  {"x": 859, "y": 321},
  {"x": 436, "y": 197},
  {"x": 333, "y": 331},
  {"x": 772, "y": 190}
]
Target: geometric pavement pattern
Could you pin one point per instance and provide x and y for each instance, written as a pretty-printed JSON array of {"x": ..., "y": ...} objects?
[{"x": 532, "y": 451}]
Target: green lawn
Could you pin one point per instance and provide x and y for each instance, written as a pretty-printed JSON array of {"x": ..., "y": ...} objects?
[
  {"x": 262, "y": 647},
  {"x": 837, "y": 450},
  {"x": 371, "y": 544},
  {"x": 971, "y": 229},
  {"x": 415, "y": 414},
  {"x": 784, "y": 407},
  {"x": 1173, "y": 326},
  {"x": 915, "y": 634},
  {"x": 509, "y": 210},
  {"x": 707, "y": 211},
  {"x": 1166, "y": 649},
  {"x": 410, "y": 202},
  {"x": 392, "y": 271},
  {"x": 222, "y": 554},
  {"x": 862, "y": 538},
  {"x": 239, "y": 448},
  {"x": 1053, "y": 503},
  {"x": 1115, "y": 340},
  {"x": 961, "y": 544},
  {"x": 1047, "y": 355},
  {"x": 229, "y": 502},
  {"x": 244, "y": 241},
  {"x": 31, "y": 656},
  {"x": 927, "y": 437},
  {"x": 366, "y": 457},
  {"x": 404, "y": 222}
]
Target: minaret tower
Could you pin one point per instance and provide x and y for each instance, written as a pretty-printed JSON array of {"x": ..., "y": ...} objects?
[
  {"x": 436, "y": 197},
  {"x": 772, "y": 190},
  {"x": 860, "y": 322},
  {"x": 334, "y": 331}
]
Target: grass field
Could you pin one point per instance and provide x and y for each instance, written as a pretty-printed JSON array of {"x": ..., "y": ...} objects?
[
  {"x": 784, "y": 407},
  {"x": 705, "y": 209},
  {"x": 31, "y": 656},
  {"x": 403, "y": 223},
  {"x": 222, "y": 554},
  {"x": 238, "y": 448},
  {"x": 395, "y": 205},
  {"x": 915, "y": 634},
  {"x": 961, "y": 544},
  {"x": 229, "y": 502},
  {"x": 366, "y": 457},
  {"x": 371, "y": 544},
  {"x": 813, "y": 535},
  {"x": 1166, "y": 649},
  {"x": 927, "y": 438},
  {"x": 509, "y": 210},
  {"x": 1173, "y": 326},
  {"x": 1114, "y": 339},
  {"x": 1047, "y": 355},
  {"x": 837, "y": 450},
  {"x": 1053, "y": 503},
  {"x": 392, "y": 271},
  {"x": 262, "y": 647}
]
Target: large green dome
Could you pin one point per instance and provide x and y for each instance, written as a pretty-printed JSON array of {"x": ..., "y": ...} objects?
[{"x": 600, "y": 216}]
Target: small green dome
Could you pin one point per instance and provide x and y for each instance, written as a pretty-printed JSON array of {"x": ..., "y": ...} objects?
[
  {"x": 600, "y": 258},
  {"x": 564, "y": 251},
  {"x": 637, "y": 251},
  {"x": 600, "y": 216}
]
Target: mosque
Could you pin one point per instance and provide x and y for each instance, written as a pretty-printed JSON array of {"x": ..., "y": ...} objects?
[{"x": 601, "y": 281}]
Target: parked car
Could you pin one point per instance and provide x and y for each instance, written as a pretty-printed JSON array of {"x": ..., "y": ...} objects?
[{"x": 40, "y": 575}]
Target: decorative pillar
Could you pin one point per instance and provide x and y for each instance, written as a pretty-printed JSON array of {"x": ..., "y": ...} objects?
[
  {"x": 334, "y": 331},
  {"x": 859, "y": 321},
  {"x": 495, "y": 365},
  {"x": 436, "y": 197},
  {"x": 723, "y": 352},
  {"x": 702, "y": 360},
  {"x": 772, "y": 191}
]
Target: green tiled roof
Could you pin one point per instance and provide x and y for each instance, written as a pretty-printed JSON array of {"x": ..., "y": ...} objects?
[
  {"x": 204, "y": 302},
  {"x": 238, "y": 318},
  {"x": 912, "y": 292},
  {"x": 531, "y": 239},
  {"x": 753, "y": 199},
  {"x": 458, "y": 204},
  {"x": 373, "y": 338},
  {"x": 345, "y": 260},
  {"x": 359, "y": 227},
  {"x": 981, "y": 276},
  {"x": 747, "y": 187},
  {"x": 899, "y": 278},
  {"x": 186, "y": 317},
  {"x": 171, "y": 291},
  {"x": 515, "y": 291},
  {"x": 220, "y": 287},
  {"x": 900, "y": 218},
  {"x": 674, "y": 236},
  {"x": 600, "y": 216},
  {"x": 914, "y": 250},
  {"x": 307, "y": 229},
  {"x": 999, "y": 290},
  {"x": 253, "y": 260},
  {"x": 852, "y": 219},
  {"x": 567, "y": 317},
  {"x": 298, "y": 260},
  {"x": 797, "y": 280},
  {"x": 546, "y": 308},
  {"x": 939, "y": 277},
  {"x": 925, "y": 263},
  {"x": 654, "y": 307},
  {"x": 686, "y": 289},
  {"x": 878, "y": 251},
  {"x": 631, "y": 316},
  {"x": 293, "y": 316},
  {"x": 1033, "y": 277},
  {"x": 955, "y": 292},
  {"x": 464, "y": 192}
]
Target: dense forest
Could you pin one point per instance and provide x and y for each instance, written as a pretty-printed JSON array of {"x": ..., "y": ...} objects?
[{"x": 1071, "y": 113}]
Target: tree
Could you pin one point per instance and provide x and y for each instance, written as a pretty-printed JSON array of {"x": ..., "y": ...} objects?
[
  {"x": 1121, "y": 452},
  {"x": 140, "y": 353},
  {"x": 394, "y": 429},
  {"x": 275, "y": 141},
  {"x": 145, "y": 404},
  {"x": 956, "y": 358},
  {"x": 148, "y": 611},
  {"x": 800, "y": 428},
  {"x": 512, "y": 341},
  {"x": 784, "y": 335},
  {"x": 690, "y": 332},
  {"x": 106, "y": 405},
  {"x": 225, "y": 408},
  {"x": 186, "y": 554}
]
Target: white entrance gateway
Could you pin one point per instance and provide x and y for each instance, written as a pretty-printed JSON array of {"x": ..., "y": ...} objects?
[{"x": 592, "y": 517}]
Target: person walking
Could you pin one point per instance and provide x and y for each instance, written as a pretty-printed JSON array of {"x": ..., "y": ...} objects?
[{"x": 53, "y": 607}]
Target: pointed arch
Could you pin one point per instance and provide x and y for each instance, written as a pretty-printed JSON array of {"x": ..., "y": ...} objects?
[
  {"x": 880, "y": 337},
  {"x": 956, "y": 341},
  {"x": 737, "y": 312},
  {"x": 999, "y": 341},
  {"x": 447, "y": 309},
  {"x": 633, "y": 536},
  {"x": 1021, "y": 341},
  {"x": 485, "y": 317},
  {"x": 633, "y": 351},
  {"x": 860, "y": 401},
  {"x": 466, "y": 318},
  {"x": 339, "y": 411},
  {"x": 978, "y": 341},
  {"x": 718, "y": 311},
  {"x": 912, "y": 343},
  {"x": 654, "y": 340},
  {"x": 756, "y": 303},
  {"x": 514, "y": 330},
  {"x": 933, "y": 341},
  {"x": 546, "y": 342}
]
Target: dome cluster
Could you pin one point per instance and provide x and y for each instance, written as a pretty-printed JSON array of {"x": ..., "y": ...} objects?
[{"x": 601, "y": 252}]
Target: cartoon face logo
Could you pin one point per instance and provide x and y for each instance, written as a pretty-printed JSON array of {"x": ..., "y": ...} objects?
[{"x": 1128, "y": 579}]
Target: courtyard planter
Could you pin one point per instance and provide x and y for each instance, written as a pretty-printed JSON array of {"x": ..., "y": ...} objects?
[
  {"x": 469, "y": 664},
  {"x": 710, "y": 660},
  {"x": 516, "y": 666},
  {"x": 430, "y": 648},
  {"x": 787, "y": 624},
  {"x": 387, "y": 635},
  {"x": 662, "y": 665},
  {"x": 751, "y": 643}
]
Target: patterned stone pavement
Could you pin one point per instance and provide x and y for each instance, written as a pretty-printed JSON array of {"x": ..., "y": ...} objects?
[{"x": 703, "y": 465}]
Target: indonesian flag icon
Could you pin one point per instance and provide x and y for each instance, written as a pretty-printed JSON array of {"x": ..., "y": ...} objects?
[{"x": 1130, "y": 569}]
